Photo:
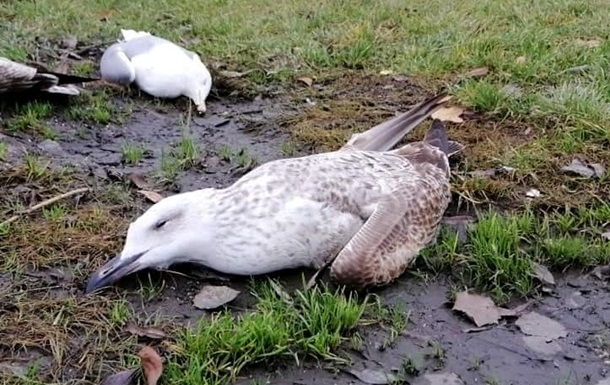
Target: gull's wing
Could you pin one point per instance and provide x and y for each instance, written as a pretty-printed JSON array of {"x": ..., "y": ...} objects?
[
  {"x": 404, "y": 222},
  {"x": 386, "y": 135}
]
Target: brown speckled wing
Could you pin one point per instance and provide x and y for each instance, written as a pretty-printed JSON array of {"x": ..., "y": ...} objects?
[{"x": 402, "y": 224}]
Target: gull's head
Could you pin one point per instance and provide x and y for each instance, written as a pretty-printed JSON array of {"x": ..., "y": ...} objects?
[
  {"x": 171, "y": 231},
  {"x": 199, "y": 89}
]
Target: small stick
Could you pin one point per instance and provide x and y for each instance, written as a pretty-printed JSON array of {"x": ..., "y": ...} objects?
[{"x": 44, "y": 204}]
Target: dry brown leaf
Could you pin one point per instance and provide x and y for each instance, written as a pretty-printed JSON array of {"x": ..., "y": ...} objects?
[
  {"x": 152, "y": 366},
  {"x": 535, "y": 324},
  {"x": 521, "y": 60},
  {"x": 543, "y": 274},
  {"x": 152, "y": 196},
  {"x": 126, "y": 377},
  {"x": 153, "y": 333},
  {"x": 482, "y": 310},
  {"x": 374, "y": 377},
  {"x": 211, "y": 297},
  {"x": 514, "y": 312},
  {"x": 590, "y": 43},
  {"x": 448, "y": 114},
  {"x": 305, "y": 80},
  {"x": 477, "y": 72},
  {"x": 233, "y": 74},
  {"x": 139, "y": 180}
]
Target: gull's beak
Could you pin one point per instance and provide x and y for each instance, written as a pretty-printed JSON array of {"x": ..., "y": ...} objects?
[
  {"x": 201, "y": 108},
  {"x": 113, "y": 270}
]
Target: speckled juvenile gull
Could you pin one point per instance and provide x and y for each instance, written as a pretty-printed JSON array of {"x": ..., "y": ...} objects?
[
  {"x": 18, "y": 77},
  {"x": 372, "y": 207},
  {"x": 157, "y": 66}
]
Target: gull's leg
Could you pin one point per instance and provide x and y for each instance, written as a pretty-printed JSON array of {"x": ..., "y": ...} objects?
[{"x": 403, "y": 223}]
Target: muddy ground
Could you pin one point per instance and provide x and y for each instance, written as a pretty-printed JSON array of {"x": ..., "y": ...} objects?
[{"x": 581, "y": 304}]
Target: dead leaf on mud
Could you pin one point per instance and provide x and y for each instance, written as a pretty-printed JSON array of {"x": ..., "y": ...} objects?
[
  {"x": 152, "y": 196},
  {"x": 449, "y": 114},
  {"x": 578, "y": 167},
  {"x": 514, "y": 312},
  {"x": 234, "y": 74},
  {"x": 138, "y": 180},
  {"x": 126, "y": 377},
  {"x": 543, "y": 274},
  {"x": 211, "y": 297},
  {"x": 535, "y": 324},
  {"x": 305, "y": 80},
  {"x": 477, "y": 72},
  {"x": 482, "y": 310},
  {"x": 460, "y": 224},
  {"x": 439, "y": 379},
  {"x": 370, "y": 376},
  {"x": 152, "y": 366},
  {"x": 542, "y": 346},
  {"x": 152, "y": 333}
]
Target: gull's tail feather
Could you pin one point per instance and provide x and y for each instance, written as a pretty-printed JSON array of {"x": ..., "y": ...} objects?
[
  {"x": 437, "y": 137},
  {"x": 386, "y": 135}
]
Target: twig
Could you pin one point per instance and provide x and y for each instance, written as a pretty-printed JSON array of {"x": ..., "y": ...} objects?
[{"x": 44, "y": 204}]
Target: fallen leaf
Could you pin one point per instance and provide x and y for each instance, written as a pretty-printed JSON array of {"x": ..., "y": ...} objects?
[
  {"x": 540, "y": 345},
  {"x": 233, "y": 74},
  {"x": 533, "y": 193},
  {"x": 139, "y": 180},
  {"x": 449, "y": 114},
  {"x": 535, "y": 324},
  {"x": 152, "y": 367},
  {"x": 385, "y": 72},
  {"x": 370, "y": 376},
  {"x": 153, "y": 333},
  {"x": 480, "y": 309},
  {"x": 512, "y": 90},
  {"x": 211, "y": 297},
  {"x": 521, "y": 60},
  {"x": 578, "y": 167},
  {"x": 439, "y": 379},
  {"x": 514, "y": 312},
  {"x": 591, "y": 43},
  {"x": 126, "y": 377},
  {"x": 543, "y": 274},
  {"x": 69, "y": 42},
  {"x": 307, "y": 81},
  {"x": 460, "y": 224},
  {"x": 152, "y": 196},
  {"x": 481, "y": 71}
]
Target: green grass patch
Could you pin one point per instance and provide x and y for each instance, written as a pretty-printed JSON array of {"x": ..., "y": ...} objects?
[
  {"x": 498, "y": 257},
  {"x": 310, "y": 323}
]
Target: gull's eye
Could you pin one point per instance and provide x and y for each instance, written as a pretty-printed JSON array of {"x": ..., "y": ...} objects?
[{"x": 160, "y": 224}]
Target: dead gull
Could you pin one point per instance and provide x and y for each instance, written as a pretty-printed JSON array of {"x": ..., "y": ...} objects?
[
  {"x": 372, "y": 208},
  {"x": 157, "y": 66},
  {"x": 18, "y": 77}
]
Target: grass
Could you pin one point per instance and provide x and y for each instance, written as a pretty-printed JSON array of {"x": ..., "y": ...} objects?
[
  {"x": 543, "y": 100},
  {"x": 311, "y": 323}
]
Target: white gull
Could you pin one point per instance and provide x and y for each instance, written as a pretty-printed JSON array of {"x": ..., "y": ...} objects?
[
  {"x": 364, "y": 209},
  {"x": 157, "y": 66}
]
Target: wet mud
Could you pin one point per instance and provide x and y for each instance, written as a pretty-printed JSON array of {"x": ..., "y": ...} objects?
[{"x": 581, "y": 304}]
